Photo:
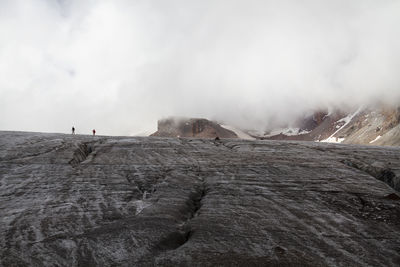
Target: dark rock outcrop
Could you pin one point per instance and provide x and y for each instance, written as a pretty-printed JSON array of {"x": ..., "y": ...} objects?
[
  {"x": 101, "y": 201},
  {"x": 198, "y": 128},
  {"x": 309, "y": 123}
]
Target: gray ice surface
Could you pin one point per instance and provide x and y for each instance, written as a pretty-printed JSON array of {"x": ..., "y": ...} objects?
[{"x": 125, "y": 201}]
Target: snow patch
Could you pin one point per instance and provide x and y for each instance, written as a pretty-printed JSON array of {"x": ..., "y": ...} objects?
[
  {"x": 333, "y": 140},
  {"x": 376, "y": 139},
  {"x": 346, "y": 120},
  {"x": 287, "y": 131}
]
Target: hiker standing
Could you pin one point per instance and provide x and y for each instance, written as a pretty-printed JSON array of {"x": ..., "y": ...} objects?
[
  {"x": 94, "y": 132},
  {"x": 73, "y": 130}
]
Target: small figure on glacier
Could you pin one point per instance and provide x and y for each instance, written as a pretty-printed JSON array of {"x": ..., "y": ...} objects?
[
  {"x": 73, "y": 130},
  {"x": 94, "y": 132}
]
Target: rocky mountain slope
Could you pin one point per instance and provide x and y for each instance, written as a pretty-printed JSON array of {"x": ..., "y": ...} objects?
[
  {"x": 198, "y": 128},
  {"x": 376, "y": 126},
  {"x": 99, "y": 201}
]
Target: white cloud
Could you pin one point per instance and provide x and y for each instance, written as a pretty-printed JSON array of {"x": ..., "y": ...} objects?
[{"x": 118, "y": 66}]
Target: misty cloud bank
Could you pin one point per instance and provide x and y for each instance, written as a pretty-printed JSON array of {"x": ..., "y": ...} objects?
[{"x": 118, "y": 66}]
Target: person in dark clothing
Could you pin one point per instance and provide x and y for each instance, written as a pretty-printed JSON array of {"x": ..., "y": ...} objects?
[
  {"x": 73, "y": 130},
  {"x": 94, "y": 132}
]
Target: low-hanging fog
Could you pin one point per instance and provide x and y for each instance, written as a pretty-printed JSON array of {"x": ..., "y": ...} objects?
[{"x": 119, "y": 66}]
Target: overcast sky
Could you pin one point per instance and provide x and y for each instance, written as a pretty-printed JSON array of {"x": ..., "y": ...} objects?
[{"x": 119, "y": 66}]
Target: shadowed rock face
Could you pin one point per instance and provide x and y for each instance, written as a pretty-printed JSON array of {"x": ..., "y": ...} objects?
[
  {"x": 196, "y": 128},
  {"x": 375, "y": 126},
  {"x": 84, "y": 201}
]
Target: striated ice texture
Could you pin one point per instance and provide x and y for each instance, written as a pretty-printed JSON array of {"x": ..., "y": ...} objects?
[{"x": 99, "y": 201}]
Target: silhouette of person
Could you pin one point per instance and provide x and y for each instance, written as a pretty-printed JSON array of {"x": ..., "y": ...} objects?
[
  {"x": 94, "y": 132},
  {"x": 73, "y": 130}
]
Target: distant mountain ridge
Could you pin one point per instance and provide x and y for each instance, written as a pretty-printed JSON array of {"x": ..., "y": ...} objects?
[
  {"x": 367, "y": 126},
  {"x": 375, "y": 126}
]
